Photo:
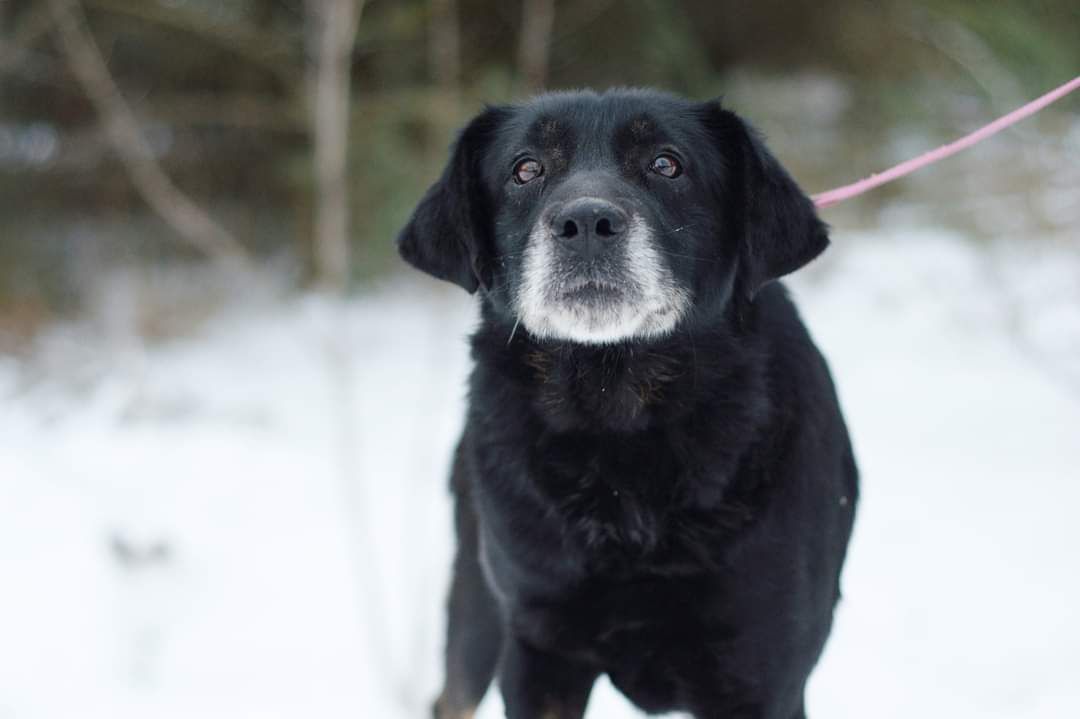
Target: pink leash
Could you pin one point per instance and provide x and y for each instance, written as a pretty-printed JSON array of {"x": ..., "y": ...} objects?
[{"x": 825, "y": 199}]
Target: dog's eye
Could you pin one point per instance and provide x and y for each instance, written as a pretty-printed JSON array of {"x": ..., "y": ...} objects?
[
  {"x": 527, "y": 170},
  {"x": 667, "y": 166}
]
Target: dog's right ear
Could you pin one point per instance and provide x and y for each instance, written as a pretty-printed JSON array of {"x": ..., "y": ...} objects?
[{"x": 448, "y": 235}]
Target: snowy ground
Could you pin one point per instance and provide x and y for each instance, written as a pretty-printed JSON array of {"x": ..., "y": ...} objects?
[{"x": 252, "y": 521}]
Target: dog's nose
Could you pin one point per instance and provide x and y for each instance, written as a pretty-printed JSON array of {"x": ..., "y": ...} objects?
[{"x": 589, "y": 225}]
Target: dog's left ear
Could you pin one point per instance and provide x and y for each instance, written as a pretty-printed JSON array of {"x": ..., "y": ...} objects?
[
  {"x": 448, "y": 235},
  {"x": 778, "y": 226}
]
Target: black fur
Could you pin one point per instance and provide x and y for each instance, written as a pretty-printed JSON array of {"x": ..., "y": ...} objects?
[{"x": 672, "y": 512}]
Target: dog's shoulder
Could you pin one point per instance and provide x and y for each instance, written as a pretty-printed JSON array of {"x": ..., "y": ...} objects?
[{"x": 798, "y": 375}]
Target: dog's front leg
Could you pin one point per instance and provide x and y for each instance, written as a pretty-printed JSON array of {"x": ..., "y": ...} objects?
[{"x": 540, "y": 685}]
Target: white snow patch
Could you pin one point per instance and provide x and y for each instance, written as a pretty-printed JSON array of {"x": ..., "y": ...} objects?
[{"x": 254, "y": 522}]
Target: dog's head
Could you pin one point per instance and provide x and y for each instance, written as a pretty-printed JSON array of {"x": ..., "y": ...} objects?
[{"x": 602, "y": 218}]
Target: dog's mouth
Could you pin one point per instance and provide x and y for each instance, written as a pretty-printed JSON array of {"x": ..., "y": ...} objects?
[{"x": 590, "y": 292}]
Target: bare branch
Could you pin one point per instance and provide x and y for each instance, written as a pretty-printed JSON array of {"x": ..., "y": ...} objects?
[
  {"x": 227, "y": 109},
  {"x": 256, "y": 47},
  {"x": 128, "y": 141},
  {"x": 334, "y": 33},
  {"x": 534, "y": 49}
]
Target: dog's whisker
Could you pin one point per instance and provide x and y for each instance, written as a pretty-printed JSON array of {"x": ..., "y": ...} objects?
[
  {"x": 696, "y": 258},
  {"x": 513, "y": 331}
]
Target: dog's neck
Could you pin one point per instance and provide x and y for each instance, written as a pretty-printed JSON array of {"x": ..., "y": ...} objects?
[{"x": 627, "y": 387}]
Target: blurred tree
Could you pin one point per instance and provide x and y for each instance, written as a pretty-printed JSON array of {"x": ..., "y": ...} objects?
[
  {"x": 445, "y": 45},
  {"x": 189, "y": 220},
  {"x": 333, "y": 32},
  {"x": 225, "y": 95},
  {"x": 534, "y": 48},
  {"x": 17, "y": 38}
]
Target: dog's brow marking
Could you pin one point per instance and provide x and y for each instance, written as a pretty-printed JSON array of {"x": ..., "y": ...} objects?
[{"x": 557, "y": 157}]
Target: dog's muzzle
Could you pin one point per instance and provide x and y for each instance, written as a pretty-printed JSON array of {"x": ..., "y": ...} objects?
[{"x": 592, "y": 274}]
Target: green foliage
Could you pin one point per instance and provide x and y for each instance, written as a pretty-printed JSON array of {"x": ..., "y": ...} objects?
[
  {"x": 1038, "y": 41},
  {"x": 224, "y": 83}
]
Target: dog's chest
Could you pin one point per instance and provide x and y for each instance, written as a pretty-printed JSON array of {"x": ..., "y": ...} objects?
[
  {"x": 633, "y": 499},
  {"x": 621, "y": 455},
  {"x": 613, "y": 390},
  {"x": 614, "y": 495}
]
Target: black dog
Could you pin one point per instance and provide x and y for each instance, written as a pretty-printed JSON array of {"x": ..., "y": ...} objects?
[{"x": 655, "y": 481}]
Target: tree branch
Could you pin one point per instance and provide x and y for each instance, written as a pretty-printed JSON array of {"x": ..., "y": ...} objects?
[
  {"x": 235, "y": 109},
  {"x": 334, "y": 25},
  {"x": 128, "y": 141},
  {"x": 255, "y": 47}
]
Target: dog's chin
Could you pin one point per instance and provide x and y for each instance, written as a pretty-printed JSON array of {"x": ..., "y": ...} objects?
[{"x": 599, "y": 314}]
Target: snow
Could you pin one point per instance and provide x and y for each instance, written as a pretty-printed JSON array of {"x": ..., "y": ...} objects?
[{"x": 252, "y": 521}]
